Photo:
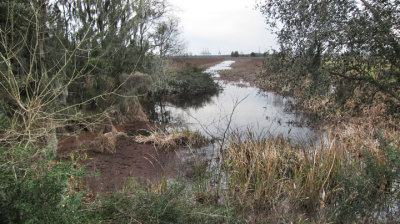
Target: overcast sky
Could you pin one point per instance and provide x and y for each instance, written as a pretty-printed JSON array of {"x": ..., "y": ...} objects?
[{"x": 222, "y": 26}]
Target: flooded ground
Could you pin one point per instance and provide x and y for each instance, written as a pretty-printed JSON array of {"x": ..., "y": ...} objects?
[
  {"x": 214, "y": 70},
  {"x": 238, "y": 108}
]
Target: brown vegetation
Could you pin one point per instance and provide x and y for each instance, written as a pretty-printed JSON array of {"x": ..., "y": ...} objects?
[
  {"x": 245, "y": 68},
  {"x": 107, "y": 142},
  {"x": 164, "y": 140},
  {"x": 192, "y": 62}
]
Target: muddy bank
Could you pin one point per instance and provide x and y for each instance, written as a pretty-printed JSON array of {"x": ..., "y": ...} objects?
[
  {"x": 132, "y": 160},
  {"x": 108, "y": 172}
]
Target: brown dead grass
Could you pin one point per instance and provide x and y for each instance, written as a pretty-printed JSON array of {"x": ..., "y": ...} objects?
[
  {"x": 194, "y": 62},
  {"x": 245, "y": 68},
  {"x": 172, "y": 140},
  {"x": 107, "y": 142}
]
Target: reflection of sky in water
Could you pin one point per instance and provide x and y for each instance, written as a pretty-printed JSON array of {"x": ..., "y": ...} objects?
[
  {"x": 225, "y": 65},
  {"x": 263, "y": 113}
]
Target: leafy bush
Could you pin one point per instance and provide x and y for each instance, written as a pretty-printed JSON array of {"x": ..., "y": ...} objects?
[
  {"x": 192, "y": 81},
  {"x": 35, "y": 188},
  {"x": 370, "y": 187}
]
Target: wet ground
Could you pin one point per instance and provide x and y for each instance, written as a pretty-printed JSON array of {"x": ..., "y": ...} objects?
[
  {"x": 108, "y": 172},
  {"x": 240, "y": 106}
]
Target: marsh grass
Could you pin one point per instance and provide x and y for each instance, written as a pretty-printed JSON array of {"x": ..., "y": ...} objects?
[
  {"x": 350, "y": 176},
  {"x": 160, "y": 203}
]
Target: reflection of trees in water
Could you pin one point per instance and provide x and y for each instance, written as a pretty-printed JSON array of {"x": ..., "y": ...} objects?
[
  {"x": 156, "y": 108},
  {"x": 156, "y": 111},
  {"x": 277, "y": 100},
  {"x": 192, "y": 101}
]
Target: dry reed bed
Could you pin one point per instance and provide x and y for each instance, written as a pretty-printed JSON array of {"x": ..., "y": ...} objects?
[{"x": 352, "y": 175}]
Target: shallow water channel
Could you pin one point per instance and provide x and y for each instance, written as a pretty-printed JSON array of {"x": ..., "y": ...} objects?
[{"x": 237, "y": 108}]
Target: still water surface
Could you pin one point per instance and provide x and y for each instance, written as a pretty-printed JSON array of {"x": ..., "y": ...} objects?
[
  {"x": 237, "y": 108},
  {"x": 240, "y": 107}
]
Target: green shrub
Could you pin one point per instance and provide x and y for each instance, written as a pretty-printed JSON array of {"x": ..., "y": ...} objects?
[
  {"x": 370, "y": 189},
  {"x": 34, "y": 188},
  {"x": 4, "y": 121},
  {"x": 192, "y": 81},
  {"x": 172, "y": 205}
]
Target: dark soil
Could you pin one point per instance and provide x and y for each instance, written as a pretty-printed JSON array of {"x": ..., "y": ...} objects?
[{"x": 143, "y": 162}]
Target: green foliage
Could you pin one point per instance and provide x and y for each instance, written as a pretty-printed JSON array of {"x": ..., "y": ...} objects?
[
  {"x": 234, "y": 54},
  {"x": 4, "y": 121},
  {"x": 35, "y": 188},
  {"x": 192, "y": 81},
  {"x": 59, "y": 58},
  {"x": 371, "y": 186},
  {"x": 351, "y": 46},
  {"x": 143, "y": 206},
  {"x": 169, "y": 206}
]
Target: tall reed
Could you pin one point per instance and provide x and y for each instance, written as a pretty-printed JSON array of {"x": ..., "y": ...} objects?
[{"x": 343, "y": 178}]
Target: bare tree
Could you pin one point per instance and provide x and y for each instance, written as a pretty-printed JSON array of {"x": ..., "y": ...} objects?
[{"x": 167, "y": 38}]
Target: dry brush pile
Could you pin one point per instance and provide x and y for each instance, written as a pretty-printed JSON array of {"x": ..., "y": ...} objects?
[{"x": 172, "y": 140}]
